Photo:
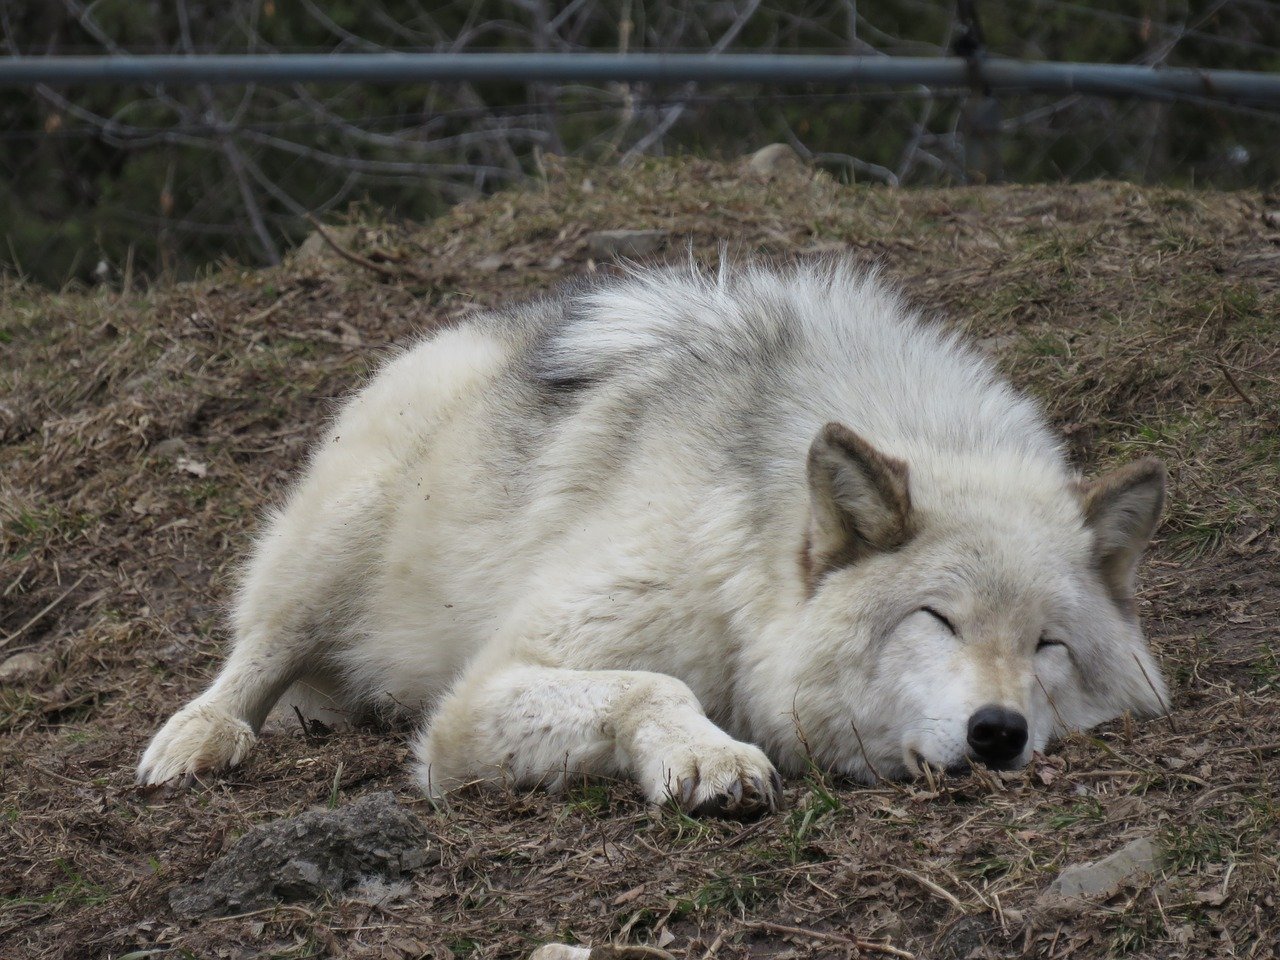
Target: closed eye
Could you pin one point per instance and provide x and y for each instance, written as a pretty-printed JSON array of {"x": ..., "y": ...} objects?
[
  {"x": 1047, "y": 642},
  {"x": 940, "y": 618}
]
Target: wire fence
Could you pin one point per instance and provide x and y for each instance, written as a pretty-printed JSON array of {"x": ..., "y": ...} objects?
[{"x": 154, "y": 177}]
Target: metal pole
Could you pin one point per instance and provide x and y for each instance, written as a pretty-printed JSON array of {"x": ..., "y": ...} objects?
[{"x": 1116, "y": 80}]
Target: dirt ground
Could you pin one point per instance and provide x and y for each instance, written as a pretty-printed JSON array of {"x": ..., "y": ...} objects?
[{"x": 142, "y": 434}]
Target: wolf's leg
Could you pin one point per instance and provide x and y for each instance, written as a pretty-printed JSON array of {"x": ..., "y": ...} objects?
[
  {"x": 535, "y": 725},
  {"x": 216, "y": 730},
  {"x": 283, "y": 622}
]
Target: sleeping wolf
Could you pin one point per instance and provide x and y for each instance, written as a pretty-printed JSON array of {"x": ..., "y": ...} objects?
[{"x": 691, "y": 530}]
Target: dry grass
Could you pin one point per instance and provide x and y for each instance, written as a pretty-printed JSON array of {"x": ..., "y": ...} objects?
[{"x": 140, "y": 435}]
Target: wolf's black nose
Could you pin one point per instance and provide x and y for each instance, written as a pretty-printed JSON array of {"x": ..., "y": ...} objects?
[{"x": 997, "y": 735}]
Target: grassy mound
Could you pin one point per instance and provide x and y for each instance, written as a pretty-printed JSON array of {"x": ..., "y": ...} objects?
[{"x": 142, "y": 434}]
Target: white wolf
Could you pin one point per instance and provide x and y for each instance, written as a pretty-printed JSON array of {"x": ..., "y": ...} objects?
[{"x": 677, "y": 526}]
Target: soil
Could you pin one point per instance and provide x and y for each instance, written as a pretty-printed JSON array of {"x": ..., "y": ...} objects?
[{"x": 143, "y": 433}]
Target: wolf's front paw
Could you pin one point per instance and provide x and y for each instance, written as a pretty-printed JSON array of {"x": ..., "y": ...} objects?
[
  {"x": 726, "y": 779},
  {"x": 199, "y": 738}
]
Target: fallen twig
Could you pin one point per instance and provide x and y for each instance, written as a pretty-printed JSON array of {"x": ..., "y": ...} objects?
[
  {"x": 392, "y": 273},
  {"x": 36, "y": 619},
  {"x": 869, "y": 945},
  {"x": 1235, "y": 385},
  {"x": 932, "y": 887},
  {"x": 1251, "y": 748}
]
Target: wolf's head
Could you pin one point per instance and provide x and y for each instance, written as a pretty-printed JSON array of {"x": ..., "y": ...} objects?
[{"x": 967, "y": 607}]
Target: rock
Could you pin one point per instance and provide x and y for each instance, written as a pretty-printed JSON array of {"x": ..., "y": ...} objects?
[
  {"x": 315, "y": 249},
  {"x": 777, "y": 159},
  {"x": 1134, "y": 861},
  {"x": 624, "y": 244},
  {"x": 172, "y": 448},
  {"x": 22, "y": 667},
  {"x": 318, "y": 853},
  {"x": 562, "y": 951}
]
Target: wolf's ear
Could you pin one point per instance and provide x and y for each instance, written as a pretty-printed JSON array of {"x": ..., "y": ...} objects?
[
  {"x": 859, "y": 500},
  {"x": 1122, "y": 509}
]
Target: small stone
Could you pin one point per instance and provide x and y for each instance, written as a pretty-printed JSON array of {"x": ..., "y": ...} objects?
[
  {"x": 22, "y": 667},
  {"x": 624, "y": 244},
  {"x": 608, "y": 951},
  {"x": 172, "y": 449},
  {"x": 316, "y": 249},
  {"x": 560, "y": 951},
  {"x": 1134, "y": 861},
  {"x": 775, "y": 160}
]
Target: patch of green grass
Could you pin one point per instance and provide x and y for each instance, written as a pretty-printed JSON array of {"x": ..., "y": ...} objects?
[
  {"x": 1135, "y": 930},
  {"x": 1049, "y": 345},
  {"x": 1240, "y": 303},
  {"x": 28, "y": 528},
  {"x": 1264, "y": 669},
  {"x": 818, "y": 803},
  {"x": 998, "y": 305},
  {"x": 1086, "y": 811},
  {"x": 988, "y": 868},
  {"x": 1197, "y": 539},
  {"x": 1177, "y": 435},
  {"x": 1265, "y": 448},
  {"x": 1193, "y": 535},
  {"x": 589, "y": 797},
  {"x": 75, "y": 891},
  {"x": 16, "y": 707},
  {"x": 683, "y": 829},
  {"x": 730, "y": 891},
  {"x": 201, "y": 492},
  {"x": 462, "y": 946},
  {"x": 34, "y": 523},
  {"x": 1196, "y": 844}
]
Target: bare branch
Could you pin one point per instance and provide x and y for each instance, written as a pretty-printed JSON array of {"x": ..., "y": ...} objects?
[{"x": 674, "y": 113}]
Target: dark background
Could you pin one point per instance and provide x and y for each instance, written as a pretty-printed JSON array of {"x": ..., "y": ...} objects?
[{"x": 115, "y": 184}]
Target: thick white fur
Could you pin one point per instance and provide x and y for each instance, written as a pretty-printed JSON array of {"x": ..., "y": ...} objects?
[{"x": 579, "y": 537}]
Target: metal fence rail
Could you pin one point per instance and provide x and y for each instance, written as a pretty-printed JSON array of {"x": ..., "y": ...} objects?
[{"x": 1114, "y": 80}]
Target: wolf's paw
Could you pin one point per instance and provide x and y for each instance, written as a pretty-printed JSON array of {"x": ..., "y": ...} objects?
[
  {"x": 728, "y": 779},
  {"x": 198, "y": 738}
]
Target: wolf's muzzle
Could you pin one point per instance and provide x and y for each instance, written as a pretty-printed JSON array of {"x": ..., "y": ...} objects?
[{"x": 997, "y": 735}]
